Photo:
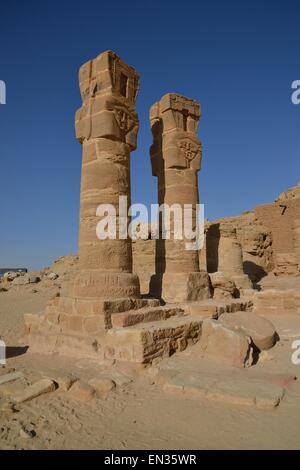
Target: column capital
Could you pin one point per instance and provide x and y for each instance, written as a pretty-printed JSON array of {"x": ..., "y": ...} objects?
[
  {"x": 174, "y": 122},
  {"x": 108, "y": 89}
]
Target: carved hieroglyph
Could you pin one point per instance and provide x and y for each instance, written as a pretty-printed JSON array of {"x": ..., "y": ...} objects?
[
  {"x": 176, "y": 158},
  {"x": 106, "y": 126}
]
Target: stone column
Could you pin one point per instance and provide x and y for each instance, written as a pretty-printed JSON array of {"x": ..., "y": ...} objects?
[
  {"x": 176, "y": 157},
  {"x": 106, "y": 126},
  {"x": 225, "y": 254}
]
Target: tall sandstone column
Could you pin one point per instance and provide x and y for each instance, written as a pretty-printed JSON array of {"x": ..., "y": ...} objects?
[
  {"x": 77, "y": 322},
  {"x": 106, "y": 126},
  {"x": 176, "y": 157}
]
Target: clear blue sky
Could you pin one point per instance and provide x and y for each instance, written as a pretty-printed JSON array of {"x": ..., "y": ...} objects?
[{"x": 238, "y": 58}]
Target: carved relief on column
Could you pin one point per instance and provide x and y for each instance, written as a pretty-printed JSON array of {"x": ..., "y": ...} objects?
[
  {"x": 176, "y": 156},
  {"x": 107, "y": 127}
]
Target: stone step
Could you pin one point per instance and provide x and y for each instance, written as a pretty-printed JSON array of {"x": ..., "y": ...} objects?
[
  {"x": 90, "y": 315},
  {"x": 239, "y": 390},
  {"x": 214, "y": 309},
  {"x": 143, "y": 315},
  {"x": 145, "y": 342},
  {"x": 277, "y": 301}
]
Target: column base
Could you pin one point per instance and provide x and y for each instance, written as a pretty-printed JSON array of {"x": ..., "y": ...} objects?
[
  {"x": 102, "y": 285},
  {"x": 181, "y": 287}
]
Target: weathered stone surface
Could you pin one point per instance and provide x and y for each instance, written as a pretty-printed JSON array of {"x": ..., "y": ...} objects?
[
  {"x": 223, "y": 286},
  {"x": 34, "y": 390},
  {"x": 33, "y": 279},
  {"x": 176, "y": 158},
  {"x": 103, "y": 386},
  {"x": 11, "y": 275},
  {"x": 213, "y": 309},
  {"x": 146, "y": 342},
  {"x": 276, "y": 301},
  {"x": 27, "y": 278},
  {"x": 225, "y": 254},
  {"x": 52, "y": 276},
  {"x": 226, "y": 345},
  {"x": 259, "y": 329},
  {"x": 232, "y": 390},
  {"x": 296, "y": 240},
  {"x": 81, "y": 391},
  {"x": 63, "y": 381},
  {"x": 179, "y": 287},
  {"x": 9, "y": 389},
  {"x": 120, "y": 320},
  {"x": 21, "y": 280},
  {"x": 10, "y": 377},
  {"x": 6, "y": 407},
  {"x": 106, "y": 126},
  {"x": 286, "y": 264}
]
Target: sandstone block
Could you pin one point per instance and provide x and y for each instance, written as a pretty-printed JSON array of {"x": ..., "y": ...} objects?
[
  {"x": 277, "y": 301},
  {"x": 81, "y": 391},
  {"x": 103, "y": 386},
  {"x": 34, "y": 390},
  {"x": 180, "y": 287},
  {"x": 94, "y": 324},
  {"x": 143, "y": 315},
  {"x": 225, "y": 345},
  {"x": 146, "y": 342},
  {"x": 52, "y": 276},
  {"x": 259, "y": 329},
  {"x": 12, "y": 376},
  {"x": 63, "y": 382},
  {"x": 21, "y": 280},
  {"x": 10, "y": 276},
  {"x": 221, "y": 282}
]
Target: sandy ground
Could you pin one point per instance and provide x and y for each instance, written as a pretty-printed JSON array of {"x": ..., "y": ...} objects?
[{"x": 139, "y": 414}]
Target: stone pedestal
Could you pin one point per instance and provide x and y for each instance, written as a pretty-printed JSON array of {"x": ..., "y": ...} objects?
[{"x": 176, "y": 157}]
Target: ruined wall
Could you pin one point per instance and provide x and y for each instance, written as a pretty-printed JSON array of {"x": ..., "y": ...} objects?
[
  {"x": 269, "y": 238},
  {"x": 280, "y": 218},
  {"x": 255, "y": 240}
]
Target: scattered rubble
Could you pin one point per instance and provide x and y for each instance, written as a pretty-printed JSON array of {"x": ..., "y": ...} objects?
[{"x": 34, "y": 390}]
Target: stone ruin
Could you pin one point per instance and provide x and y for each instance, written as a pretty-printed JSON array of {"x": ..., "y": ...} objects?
[
  {"x": 176, "y": 158},
  {"x": 103, "y": 314}
]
